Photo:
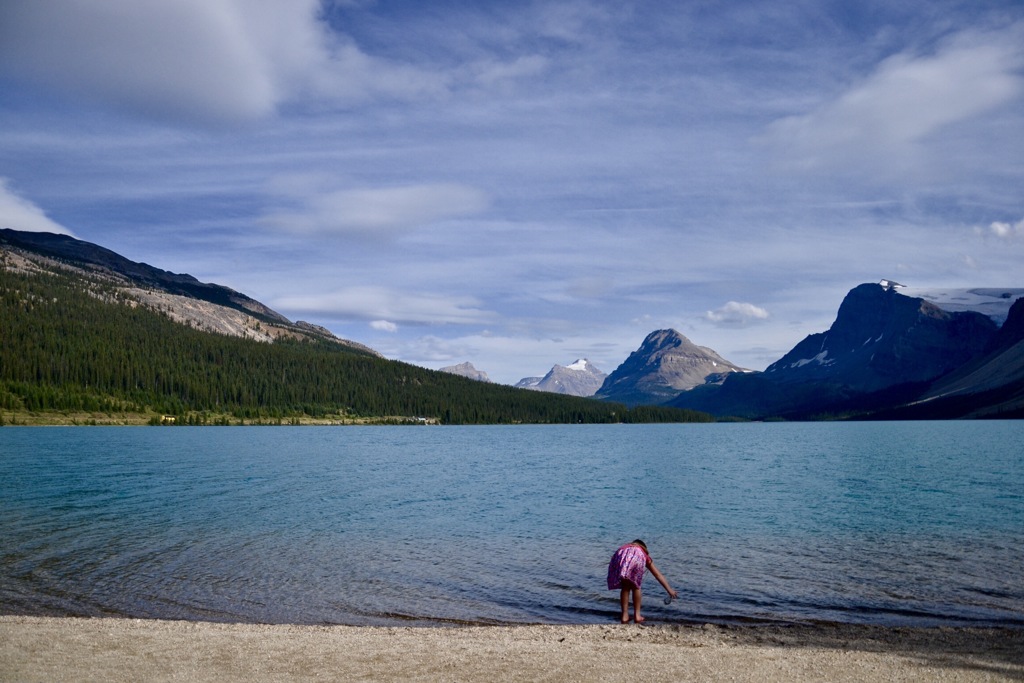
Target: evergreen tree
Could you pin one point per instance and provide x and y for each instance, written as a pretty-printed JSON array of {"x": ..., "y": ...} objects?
[{"x": 68, "y": 344}]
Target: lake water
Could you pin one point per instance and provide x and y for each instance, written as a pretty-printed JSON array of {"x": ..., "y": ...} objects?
[{"x": 913, "y": 523}]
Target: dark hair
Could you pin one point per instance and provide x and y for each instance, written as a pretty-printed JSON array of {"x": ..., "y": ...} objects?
[{"x": 641, "y": 544}]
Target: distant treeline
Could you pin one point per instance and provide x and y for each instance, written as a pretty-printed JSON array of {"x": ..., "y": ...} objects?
[{"x": 68, "y": 344}]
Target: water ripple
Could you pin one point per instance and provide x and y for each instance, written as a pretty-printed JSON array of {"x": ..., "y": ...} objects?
[{"x": 893, "y": 523}]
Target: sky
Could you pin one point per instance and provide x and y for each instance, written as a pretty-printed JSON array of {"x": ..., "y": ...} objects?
[{"x": 523, "y": 184}]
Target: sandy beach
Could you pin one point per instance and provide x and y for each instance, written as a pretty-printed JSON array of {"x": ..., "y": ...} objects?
[{"x": 107, "y": 649}]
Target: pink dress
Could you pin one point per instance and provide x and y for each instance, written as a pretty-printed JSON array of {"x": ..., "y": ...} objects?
[{"x": 629, "y": 562}]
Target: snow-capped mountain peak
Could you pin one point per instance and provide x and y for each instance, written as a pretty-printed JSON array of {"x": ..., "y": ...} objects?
[{"x": 580, "y": 378}]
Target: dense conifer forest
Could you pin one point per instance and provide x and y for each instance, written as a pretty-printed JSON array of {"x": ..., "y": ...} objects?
[{"x": 75, "y": 345}]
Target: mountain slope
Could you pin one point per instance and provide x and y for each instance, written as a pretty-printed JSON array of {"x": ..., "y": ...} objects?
[
  {"x": 185, "y": 299},
  {"x": 75, "y": 344},
  {"x": 467, "y": 370},
  {"x": 528, "y": 383},
  {"x": 666, "y": 364},
  {"x": 580, "y": 378},
  {"x": 989, "y": 386},
  {"x": 881, "y": 338},
  {"x": 883, "y": 350}
]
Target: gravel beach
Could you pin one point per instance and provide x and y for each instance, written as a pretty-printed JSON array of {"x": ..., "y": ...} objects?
[{"x": 111, "y": 649}]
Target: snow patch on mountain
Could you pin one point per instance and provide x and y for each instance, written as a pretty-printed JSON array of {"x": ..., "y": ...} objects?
[
  {"x": 990, "y": 301},
  {"x": 820, "y": 359}
]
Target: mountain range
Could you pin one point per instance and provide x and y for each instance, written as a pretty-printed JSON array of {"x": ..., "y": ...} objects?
[
  {"x": 666, "y": 364},
  {"x": 89, "y": 337},
  {"x": 888, "y": 355}
]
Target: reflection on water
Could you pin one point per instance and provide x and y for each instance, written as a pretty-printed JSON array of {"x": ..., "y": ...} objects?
[{"x": 894, "y": 523}]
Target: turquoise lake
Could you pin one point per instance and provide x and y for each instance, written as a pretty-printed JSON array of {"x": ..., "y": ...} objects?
[{"x": 896, "y": 523}]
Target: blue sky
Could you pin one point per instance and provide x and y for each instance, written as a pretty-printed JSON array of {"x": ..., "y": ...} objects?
[{"x": 519, "y": 184}]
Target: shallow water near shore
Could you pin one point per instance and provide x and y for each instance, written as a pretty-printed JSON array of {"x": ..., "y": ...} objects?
[{"x": 912, "y": 523}]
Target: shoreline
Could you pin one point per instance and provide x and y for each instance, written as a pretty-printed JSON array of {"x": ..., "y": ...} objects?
[{"x": 118, "y": 649}]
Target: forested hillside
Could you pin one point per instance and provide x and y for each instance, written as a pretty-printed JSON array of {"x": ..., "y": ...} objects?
[{"x": 73, "y": 344}]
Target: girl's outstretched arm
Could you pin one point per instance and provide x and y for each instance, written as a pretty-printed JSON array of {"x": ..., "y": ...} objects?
[{"x": 662, "y": 580}]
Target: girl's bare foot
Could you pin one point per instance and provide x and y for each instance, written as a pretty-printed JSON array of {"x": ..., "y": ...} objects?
[
  {"x": 625, "y": 618},
  {"x": 639, "y": 619}
]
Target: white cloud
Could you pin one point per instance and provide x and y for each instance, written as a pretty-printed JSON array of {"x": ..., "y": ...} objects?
[
  {"x": 510, "y": 167},
  {"x": 18, "y": 213},
  {"x": 908, "y": 97},
  {"x": 736, "y": 314},
  {"x": 374, "y": 303},
  {"x": 1007, "y": 230},
  {"x": 377, "y": 210},
  {"x": 491, "y": 73},
  {"x": 351, "y": 75},
  {"x": 199, "y": 61},
  {"x": 430, "y": 349}
]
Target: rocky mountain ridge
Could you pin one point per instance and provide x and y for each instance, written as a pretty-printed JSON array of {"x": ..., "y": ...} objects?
[
  {"x": 183, "y": 298},
  {"x": 466, "y": 370},
  {"x": 959, "y": 353},
  {"x": 884, "y": 352},
  {"x": 666, "y": 364},
  {"x": 991, "y": 385},
  {"x": 580, "y": 378},
  {"x": 887, "y": 355},
  {"x": 881, "y": 338},
  {"x": 945, "y": 354}
]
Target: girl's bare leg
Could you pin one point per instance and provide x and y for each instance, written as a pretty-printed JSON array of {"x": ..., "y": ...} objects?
[
  {"x": 624, "y": 601},
  {"x": 637, "y": 599}
]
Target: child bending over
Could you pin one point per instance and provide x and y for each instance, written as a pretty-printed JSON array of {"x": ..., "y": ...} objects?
[{"x": 626, "y": 572}]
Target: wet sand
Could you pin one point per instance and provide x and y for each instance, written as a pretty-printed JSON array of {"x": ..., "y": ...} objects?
[{"x": 108, "y": 649}]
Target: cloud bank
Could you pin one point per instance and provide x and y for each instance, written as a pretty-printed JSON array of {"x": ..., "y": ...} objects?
[
  {"x": 879, "y": 121},
  {"x": 376, "y": 211},
  {"x": 18, "y": 213},
  {"x": 526, "y": 184},
  {"x": 369, "y": 302},
  {"x": 206, "y": 62}
]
